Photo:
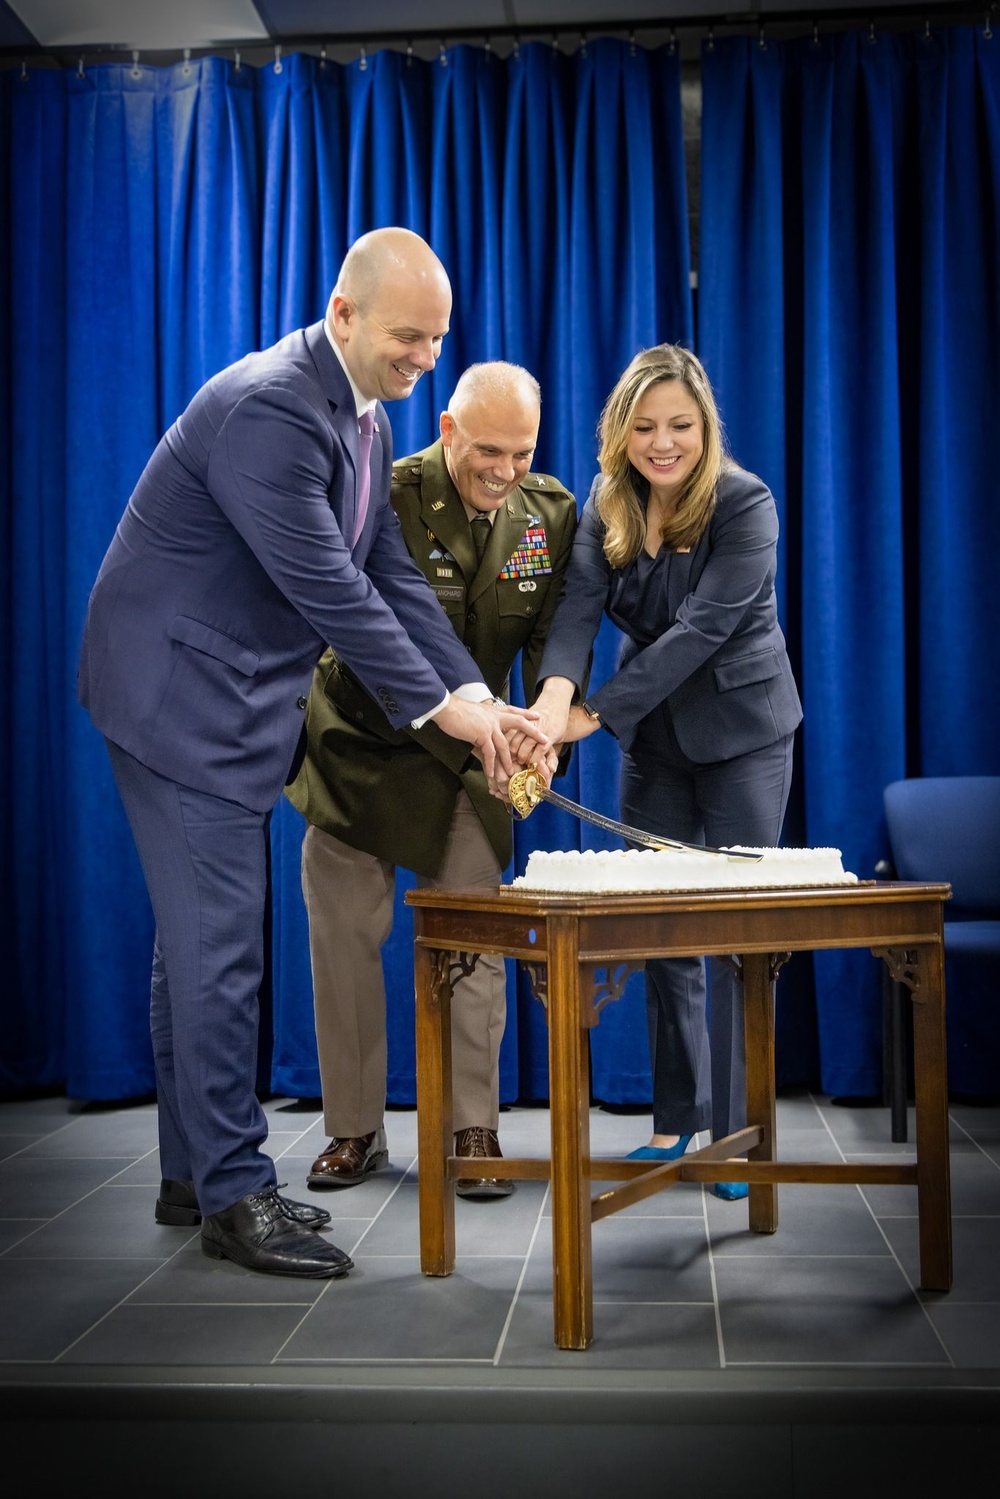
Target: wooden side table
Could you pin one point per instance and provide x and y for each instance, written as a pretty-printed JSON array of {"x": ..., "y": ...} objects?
[{"x": 579, "y": 950}]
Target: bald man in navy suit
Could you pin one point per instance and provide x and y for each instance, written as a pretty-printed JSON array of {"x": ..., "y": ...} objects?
[{"x": 257, "y": 535}]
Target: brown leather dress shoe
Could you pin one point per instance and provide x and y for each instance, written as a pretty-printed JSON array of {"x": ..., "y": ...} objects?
[
  {"x": 478, "y": 1144},
  {"x": 347, "y": 1161}
]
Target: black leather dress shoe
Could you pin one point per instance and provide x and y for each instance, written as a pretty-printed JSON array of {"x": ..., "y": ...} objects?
[
  {"x": 258, "y": 1234},
  {"x": 177, "y": 1206}
]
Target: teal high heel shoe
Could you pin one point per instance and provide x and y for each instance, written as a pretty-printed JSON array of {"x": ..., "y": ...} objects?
[
  {"x": 661, "y": 1152},
  {"x": 731, "y": 1191}
]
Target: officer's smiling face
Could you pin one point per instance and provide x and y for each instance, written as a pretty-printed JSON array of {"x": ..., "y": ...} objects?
[{"x": 489, "y": 448}]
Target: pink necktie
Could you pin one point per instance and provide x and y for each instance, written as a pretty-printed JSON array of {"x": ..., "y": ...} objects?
[{"x": 366, "y": 427}]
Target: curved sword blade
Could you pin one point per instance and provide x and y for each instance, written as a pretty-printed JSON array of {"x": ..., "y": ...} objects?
[{"x": 527, "y": 789}]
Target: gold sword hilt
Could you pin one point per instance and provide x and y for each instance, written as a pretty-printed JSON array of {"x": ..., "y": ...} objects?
[{"x": 523, "y": 790}]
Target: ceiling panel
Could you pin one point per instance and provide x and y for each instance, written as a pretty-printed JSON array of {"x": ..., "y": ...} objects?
[{"x": 172, "y": 25}]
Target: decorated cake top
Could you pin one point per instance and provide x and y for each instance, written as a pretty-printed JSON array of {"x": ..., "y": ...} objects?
[{"x": 602, "y": 871}]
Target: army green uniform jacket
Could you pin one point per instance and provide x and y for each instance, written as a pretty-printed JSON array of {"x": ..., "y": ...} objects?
[{"x": 391, "y": 792}]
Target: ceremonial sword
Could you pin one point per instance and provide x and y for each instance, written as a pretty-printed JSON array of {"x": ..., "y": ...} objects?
[{"x": 527, "y": 788}]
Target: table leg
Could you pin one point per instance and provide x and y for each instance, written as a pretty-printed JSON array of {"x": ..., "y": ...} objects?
[
  {"x": 758, "y": 1029},
  {"x": 435, "y": 1140},
  {"x": 569, "y": 1118},
  {"x": 930, "y": 1087}
]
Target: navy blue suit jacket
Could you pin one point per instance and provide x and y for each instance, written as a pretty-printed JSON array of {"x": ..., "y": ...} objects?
[
  {"x": 707, "y": 641},
  {"x": 231, "y": 569}
]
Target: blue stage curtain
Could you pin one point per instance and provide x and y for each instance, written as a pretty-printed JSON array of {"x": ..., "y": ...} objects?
[
  {"x": 504, "y": 166},
  {"x": 159, "y": 223},
  {"x": 848, "y": 315}
]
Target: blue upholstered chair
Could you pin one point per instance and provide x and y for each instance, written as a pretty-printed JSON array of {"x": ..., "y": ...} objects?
[{"x": 947, "y": 828}]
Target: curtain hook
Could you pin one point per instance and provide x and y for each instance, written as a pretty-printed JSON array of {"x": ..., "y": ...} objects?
[
  {"x": 987, "y": 31},
  {"x": 761, "y": 40},
  {"x": 278, "y": 66},
  {"x": 487, "y": 45},
  {"x": 815, "y": 34},
  {"x": 409, "y": 54},
  {"x": 322, "y": 56},
  {"x": 583, "y": 44},
  {"x": 927, "y": 29},
  {"x": 711, "y": 39},
  {"x": 673, "y": 42},
  {"x": 187, "y": 60},
  {"x": 516, "y": 49},
  {"x": 79, "y": 68},
  {"x": 871, "y": 33},
  {"x": 442, "y": 55},
  {"x": 136, "y": 72},
  {"x": 237, "y": 57},
  {"x": 24, "y": 71}
]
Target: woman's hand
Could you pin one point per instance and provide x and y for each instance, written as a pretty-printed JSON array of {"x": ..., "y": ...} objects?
[
  {"x": 580, "y": 725},
  {"x": 552, "y": 707}
]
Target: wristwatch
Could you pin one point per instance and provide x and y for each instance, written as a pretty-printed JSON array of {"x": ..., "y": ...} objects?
[{"x": 591, "y": 713}]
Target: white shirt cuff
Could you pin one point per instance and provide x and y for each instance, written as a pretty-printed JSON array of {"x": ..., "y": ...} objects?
[{"x": 473, "y": 692}]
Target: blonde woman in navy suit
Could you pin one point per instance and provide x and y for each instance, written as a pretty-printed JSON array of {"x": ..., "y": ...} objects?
[
  {"x": 677, "y": 545},
  {"x": 258, "y": 533}
]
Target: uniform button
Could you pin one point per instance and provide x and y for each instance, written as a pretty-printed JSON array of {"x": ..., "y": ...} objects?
[
  {"x": 302, "y": 702},
  {"x": 472, "y": 616}
]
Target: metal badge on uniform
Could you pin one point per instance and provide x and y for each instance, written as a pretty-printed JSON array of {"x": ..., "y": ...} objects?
[
  {"x": 444, "y": 572},
  {"x": 532, "y": 556},
  {"x": 438, "y": 505},
  {"x": 527, "y": 587}
]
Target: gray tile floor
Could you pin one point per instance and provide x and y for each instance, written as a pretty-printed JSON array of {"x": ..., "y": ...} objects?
[{"x": 88, "y": 1281}]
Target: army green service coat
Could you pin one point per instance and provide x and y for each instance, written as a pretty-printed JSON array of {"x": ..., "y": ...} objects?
[{"x": 391, "y": 792}]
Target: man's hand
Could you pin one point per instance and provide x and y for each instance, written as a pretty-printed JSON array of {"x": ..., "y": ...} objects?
[{"x": 486, "y": 726}]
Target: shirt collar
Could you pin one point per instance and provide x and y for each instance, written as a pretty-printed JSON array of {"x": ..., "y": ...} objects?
[
  {"x": 471, "y": 513},
  {"x": 361, "y": 403}
]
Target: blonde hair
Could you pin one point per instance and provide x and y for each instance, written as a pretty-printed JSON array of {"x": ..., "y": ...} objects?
[{"x": 621, "y": 499}]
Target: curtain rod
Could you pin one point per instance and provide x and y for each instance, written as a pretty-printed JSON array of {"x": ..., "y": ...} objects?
[{"x": 921, "y": 12}]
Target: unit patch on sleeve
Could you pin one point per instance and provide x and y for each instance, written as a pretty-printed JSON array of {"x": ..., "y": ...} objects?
[{"x": 532, "y": 556}]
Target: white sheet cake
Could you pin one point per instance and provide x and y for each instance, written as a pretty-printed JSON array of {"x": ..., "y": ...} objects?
[{"x": 677, "y": 869}]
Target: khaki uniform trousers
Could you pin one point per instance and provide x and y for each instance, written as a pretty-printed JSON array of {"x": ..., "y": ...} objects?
[{"x": 349, "y": 899}]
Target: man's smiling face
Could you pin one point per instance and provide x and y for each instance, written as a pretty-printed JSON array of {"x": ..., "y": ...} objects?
[
  {"x": 489, "y": 448},
  {"x": 397, "y": 338}
]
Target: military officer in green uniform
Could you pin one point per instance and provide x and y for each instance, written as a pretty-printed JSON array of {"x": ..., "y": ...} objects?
[{"x": 493, "y": 539}]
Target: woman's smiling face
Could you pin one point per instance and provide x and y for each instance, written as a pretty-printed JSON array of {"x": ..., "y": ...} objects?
[{"x": 667, "y": 437}]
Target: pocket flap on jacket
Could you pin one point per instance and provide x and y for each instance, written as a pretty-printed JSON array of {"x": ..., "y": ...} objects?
[
  {"x": 223, "y": 647},
  {"x": 744, "y": 670}
]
